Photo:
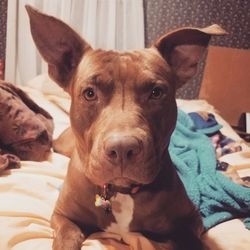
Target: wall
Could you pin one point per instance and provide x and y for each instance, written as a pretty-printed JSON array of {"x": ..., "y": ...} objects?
[
  {"x": 226, "y": 82},
  {"x": 233, "y": 15}
]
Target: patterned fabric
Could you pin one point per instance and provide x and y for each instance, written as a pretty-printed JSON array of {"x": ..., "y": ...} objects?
[
  {"x": 25, "y": 128},
  {"x": 206, "y": 124},
  {"x": 165, "y": 15}
]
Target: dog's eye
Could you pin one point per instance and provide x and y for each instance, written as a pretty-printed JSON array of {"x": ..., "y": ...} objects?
[
  {"x": 89, "y": 94},
  {"x": 156, "y": 93}
]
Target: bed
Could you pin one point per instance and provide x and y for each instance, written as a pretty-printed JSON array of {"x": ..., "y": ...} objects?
[{"x": 28, "y": 194}]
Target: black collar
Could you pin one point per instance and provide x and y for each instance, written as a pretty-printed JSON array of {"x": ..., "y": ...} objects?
[{"x": 133, "y": 189}]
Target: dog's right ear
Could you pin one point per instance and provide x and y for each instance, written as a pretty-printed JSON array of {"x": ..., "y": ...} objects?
[
  {"x": 60, "y": 46},
  {"x": 183, "y": 48}
]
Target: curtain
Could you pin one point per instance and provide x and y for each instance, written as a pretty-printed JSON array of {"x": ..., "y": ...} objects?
[{"x": 106, "y": 24}]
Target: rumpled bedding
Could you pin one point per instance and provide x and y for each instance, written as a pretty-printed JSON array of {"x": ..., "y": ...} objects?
[
  {"x": 28, "y": 194},
  {"x": 217, "y": 197}
]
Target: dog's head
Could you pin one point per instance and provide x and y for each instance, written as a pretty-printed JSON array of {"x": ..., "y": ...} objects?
[{"x": 123, "y": 107}]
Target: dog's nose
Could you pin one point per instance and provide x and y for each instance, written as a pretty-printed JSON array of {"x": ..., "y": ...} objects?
[{"x": 120, "y": 149}]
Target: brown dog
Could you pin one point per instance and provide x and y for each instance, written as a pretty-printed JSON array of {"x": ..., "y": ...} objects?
[{"x": 122, "y": 114}]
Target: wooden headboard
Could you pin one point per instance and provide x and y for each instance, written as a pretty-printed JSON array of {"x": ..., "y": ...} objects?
[{"x": 226, "y": 82}]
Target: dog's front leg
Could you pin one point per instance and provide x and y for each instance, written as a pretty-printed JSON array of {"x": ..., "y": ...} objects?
[{"x": 67, "y": 236}]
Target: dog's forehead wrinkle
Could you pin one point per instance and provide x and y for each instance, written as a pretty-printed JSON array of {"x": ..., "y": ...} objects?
[{"x": 120, "y": 67}]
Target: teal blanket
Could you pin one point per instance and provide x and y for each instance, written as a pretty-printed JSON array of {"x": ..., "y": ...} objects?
[{"x": 216, "y": 196}]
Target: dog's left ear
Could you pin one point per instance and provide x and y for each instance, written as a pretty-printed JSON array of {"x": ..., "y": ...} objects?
[
  {"x": 183, "y": 48},
  {"x": 60, "y": 46}
]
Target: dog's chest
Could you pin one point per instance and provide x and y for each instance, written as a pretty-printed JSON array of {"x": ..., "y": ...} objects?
[{"x": 122, "y": 210}]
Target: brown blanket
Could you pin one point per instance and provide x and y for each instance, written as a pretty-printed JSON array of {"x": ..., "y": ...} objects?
[{"x": 25, "y": 128}]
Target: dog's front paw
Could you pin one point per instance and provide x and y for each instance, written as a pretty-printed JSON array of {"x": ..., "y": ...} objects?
[
  {"x": 72, "y": 243},
  {"x": 69, "y": 242},
  {"x": 67, "y": 235}
]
